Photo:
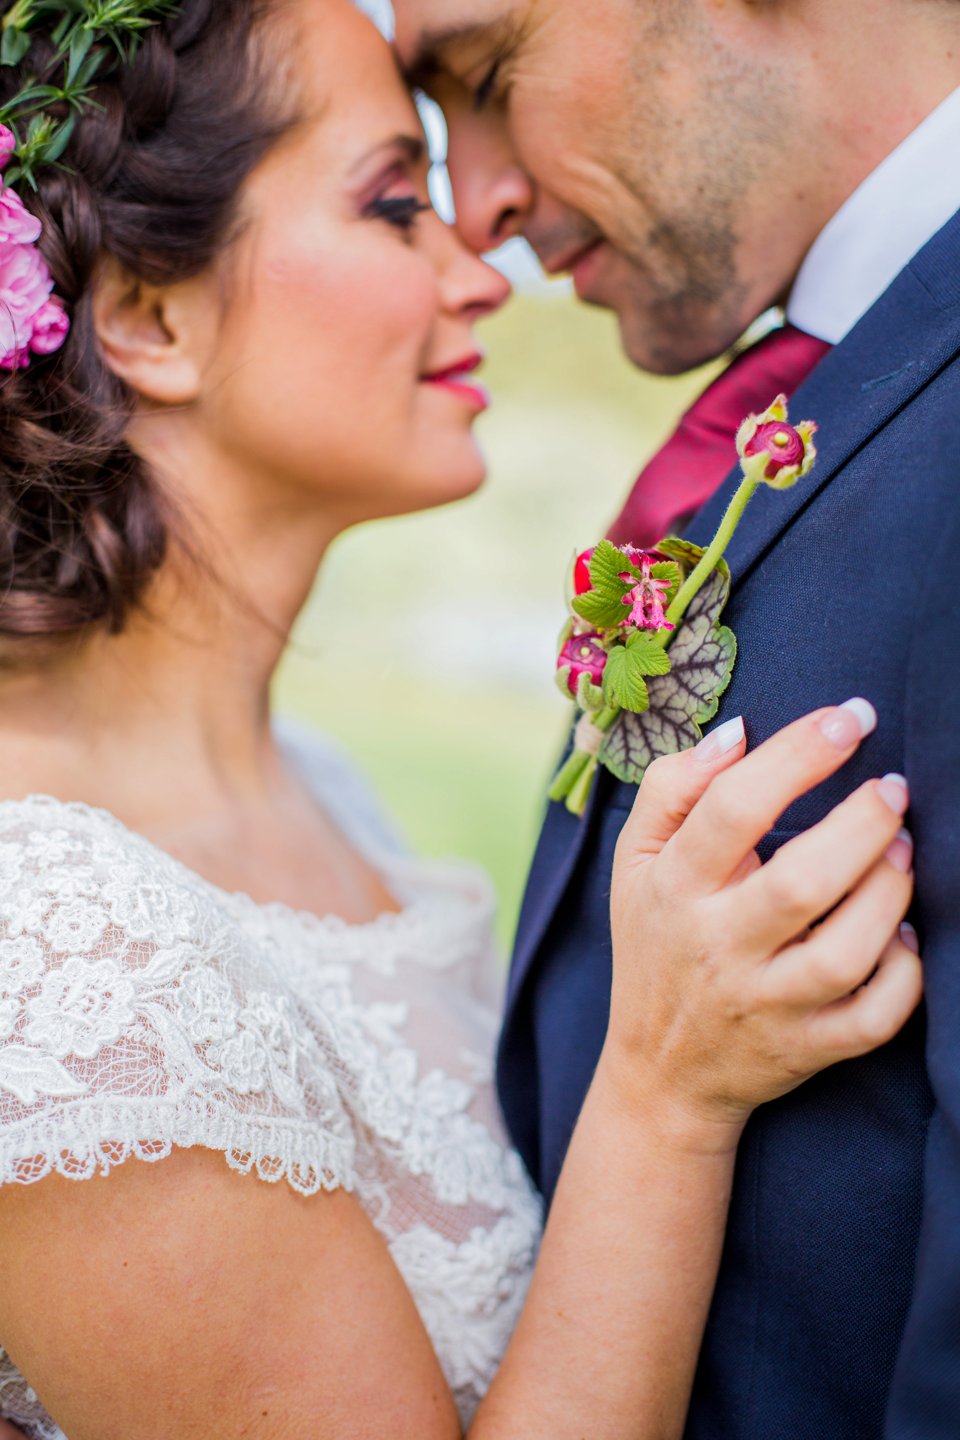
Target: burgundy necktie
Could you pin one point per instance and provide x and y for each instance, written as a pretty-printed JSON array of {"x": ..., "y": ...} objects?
[{"x": 700, "y": 453}]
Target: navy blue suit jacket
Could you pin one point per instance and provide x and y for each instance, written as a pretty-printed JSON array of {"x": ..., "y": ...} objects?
[{"x": 837, "y": 1310}]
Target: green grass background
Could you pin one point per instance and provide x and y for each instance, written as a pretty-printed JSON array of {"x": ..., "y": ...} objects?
[{"x": 453, "y": 713}]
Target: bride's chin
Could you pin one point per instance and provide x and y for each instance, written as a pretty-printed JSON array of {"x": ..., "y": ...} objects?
[
  {"x": 439, "y": 487},
  {"x": 473, "y": 477},
  {"x": 455, "y": 472}
]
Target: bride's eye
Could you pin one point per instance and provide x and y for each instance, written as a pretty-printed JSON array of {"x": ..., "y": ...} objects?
[
  {"x": 485, "y": 89},
  {"x": 398, "y": 210}
]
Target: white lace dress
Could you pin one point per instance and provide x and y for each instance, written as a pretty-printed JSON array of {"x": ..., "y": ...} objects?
[{"x": 143, "y": 1008}]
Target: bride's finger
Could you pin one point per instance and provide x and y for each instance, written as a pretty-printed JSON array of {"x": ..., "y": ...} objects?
[
  {"x": 876, "y": 1013},
  {"x": 842, "y": 953},
  {"x": 673, "y": 785},
  {"x": 742, "y": 805},
  {"x": 809, "y": 875}
]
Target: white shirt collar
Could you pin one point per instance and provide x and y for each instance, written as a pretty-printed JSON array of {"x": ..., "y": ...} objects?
[{"x": 886, "y": 221}]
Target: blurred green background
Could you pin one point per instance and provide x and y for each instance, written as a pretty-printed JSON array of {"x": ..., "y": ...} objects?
[{"x": 463, "y": 743}]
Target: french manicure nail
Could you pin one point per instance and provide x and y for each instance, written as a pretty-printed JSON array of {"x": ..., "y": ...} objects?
[
  {"x": 851, "y": 722},
  {"x": 909, "y": 937},
  {"x": 900, "y": 853},
  {"x": 893, "y": 791},
  {"x": 721, "y": 741}
]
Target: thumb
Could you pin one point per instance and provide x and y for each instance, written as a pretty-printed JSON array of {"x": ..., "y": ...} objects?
[{"x": 672, "y": 786}]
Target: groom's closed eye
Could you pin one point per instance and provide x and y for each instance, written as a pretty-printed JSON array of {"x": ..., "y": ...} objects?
[{"x": 458, "y": 49}]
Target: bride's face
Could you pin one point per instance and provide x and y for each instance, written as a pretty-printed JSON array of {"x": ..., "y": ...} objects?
[{"x": 349, "y": 305}]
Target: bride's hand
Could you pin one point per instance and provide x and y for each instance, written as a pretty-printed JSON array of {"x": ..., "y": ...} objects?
[{"x": 730, "y": 987}]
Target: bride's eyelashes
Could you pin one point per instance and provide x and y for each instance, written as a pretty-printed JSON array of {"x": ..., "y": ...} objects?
[
  {"x": 400, "y": 211},
  {"x": 485, "y": 89}
]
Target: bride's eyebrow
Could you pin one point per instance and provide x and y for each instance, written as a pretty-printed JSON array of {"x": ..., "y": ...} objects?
[
  {"x": 411, "y": 147},
  {"x": 437, "y": 48}
]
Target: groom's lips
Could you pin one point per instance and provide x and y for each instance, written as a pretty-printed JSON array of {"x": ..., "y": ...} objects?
[
  {"x": 573, "y": 261},
  {"x": 453, "y": 378},
  {"x": 585, "y": 268}
]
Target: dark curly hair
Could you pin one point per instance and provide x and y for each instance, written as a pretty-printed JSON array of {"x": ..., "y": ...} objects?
[{"x": 151, "y": 177}]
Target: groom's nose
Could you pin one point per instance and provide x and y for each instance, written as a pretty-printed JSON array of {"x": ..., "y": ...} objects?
[{"x": 492, "y": 192}]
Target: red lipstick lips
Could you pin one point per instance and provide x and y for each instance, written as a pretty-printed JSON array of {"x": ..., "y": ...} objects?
[{"x": 453, "y": 379}]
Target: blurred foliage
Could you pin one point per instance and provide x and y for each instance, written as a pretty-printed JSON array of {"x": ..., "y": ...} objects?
[{"x": 461, "y": 751}]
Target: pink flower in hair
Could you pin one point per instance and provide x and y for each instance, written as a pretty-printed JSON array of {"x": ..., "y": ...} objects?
[
  {"x": 32, "y": 318},
  {"x": 25, "y": 287},
  {"x": 25, "y": 282},
  {"x": 17, "y": 225},
  {"x": 51, "y": 326},
  {"x": 7, "y": 145}
]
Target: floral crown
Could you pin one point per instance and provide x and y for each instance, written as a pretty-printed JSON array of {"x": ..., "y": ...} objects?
[{"x": 88, "y": 38}]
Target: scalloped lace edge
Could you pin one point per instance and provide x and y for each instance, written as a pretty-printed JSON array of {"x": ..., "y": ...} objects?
[{"x": 107, "y": 1135}]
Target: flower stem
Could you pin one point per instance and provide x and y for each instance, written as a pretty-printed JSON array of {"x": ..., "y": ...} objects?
[
  {"x": 580, "y": 793},
  {"x": 712, "y": 555},
  {"x": 568, "y": 775},
  {"x": 576, "y": 774}
]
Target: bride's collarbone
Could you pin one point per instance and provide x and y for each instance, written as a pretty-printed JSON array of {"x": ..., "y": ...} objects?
[
  {"x": 310, "y": 869},
  {"x": 271, "y": 843},
  {"x": 305, "y": 864}
]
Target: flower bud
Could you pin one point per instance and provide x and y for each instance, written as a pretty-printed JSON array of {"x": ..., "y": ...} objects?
[
  {"x": 773, "y": 451},
  {"x": 584, "y": 655},
  {"x": 782, "y": 443},
  {"x": 581, "y": 573}
]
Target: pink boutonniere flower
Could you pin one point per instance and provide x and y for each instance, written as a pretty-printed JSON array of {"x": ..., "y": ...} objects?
[{"x": 645, "y": 682}]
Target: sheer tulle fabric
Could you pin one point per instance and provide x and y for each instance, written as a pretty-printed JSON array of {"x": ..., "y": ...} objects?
[{"x": 142, "y": 1008}]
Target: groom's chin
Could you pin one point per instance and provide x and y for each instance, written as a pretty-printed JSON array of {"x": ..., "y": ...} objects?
[
  {"x": 669, "y": 334},
  {"x": 674, "y": 347}
]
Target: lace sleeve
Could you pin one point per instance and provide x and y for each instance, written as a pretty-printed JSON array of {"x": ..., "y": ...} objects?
[{"x": 136, "y": 1015}]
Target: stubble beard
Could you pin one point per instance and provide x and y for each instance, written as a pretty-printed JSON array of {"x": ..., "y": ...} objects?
[{"x": 686, "y": 295}]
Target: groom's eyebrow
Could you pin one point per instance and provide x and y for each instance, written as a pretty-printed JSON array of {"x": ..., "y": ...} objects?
[{"x": 436, "y": 48}]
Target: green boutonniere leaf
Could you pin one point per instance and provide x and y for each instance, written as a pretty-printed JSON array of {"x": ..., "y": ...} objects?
[
  {"x": 599, "y": 611},
  {"x": 607, "y": 564},
  {"x": 669, "y": 571},
  {"x": 589, "y": 696},
  {"x": 623, "y": 680},
  {"x": 647, "y": 654},
  {"x": 701, "y": 661}
]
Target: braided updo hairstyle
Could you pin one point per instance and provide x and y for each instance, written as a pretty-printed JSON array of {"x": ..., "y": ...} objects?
[{"x": 151, "y": 177}]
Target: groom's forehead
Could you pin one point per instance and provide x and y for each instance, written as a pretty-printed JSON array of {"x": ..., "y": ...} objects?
[{"x": 433, "y": 34}]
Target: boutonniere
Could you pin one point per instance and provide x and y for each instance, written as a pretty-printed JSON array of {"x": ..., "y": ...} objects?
[{"x": 644, "y": 654}]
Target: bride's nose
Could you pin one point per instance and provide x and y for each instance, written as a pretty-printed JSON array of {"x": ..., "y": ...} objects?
[{"x": 469, "y": 287}]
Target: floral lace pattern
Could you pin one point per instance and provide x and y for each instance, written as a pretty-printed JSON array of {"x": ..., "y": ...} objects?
[{"x": 142, "y": 1008}]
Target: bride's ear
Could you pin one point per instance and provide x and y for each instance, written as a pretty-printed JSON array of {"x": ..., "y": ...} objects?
[{"x": 156, "y": 338}]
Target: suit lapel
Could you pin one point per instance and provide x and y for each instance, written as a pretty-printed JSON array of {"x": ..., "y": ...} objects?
[
  {"x": 911, "y": 334},
  {"x": 561, "y": 843}
]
